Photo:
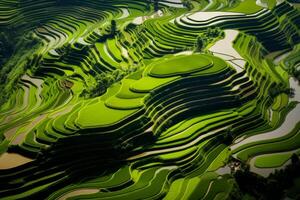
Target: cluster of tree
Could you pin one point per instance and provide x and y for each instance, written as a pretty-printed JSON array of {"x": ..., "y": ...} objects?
[
  {"x": 64, "y": 2},
  {"x": 103, "y": 81},
  {"x": 207, "y": 37},
  {"x": 113, "y": 27},
  {"x": 232, "y": 3},
  {"x": 131, "y": 26},
  {"x": 187, "y": 4},
  {"x": 201, "y": 43},
  {"x": 8, "y": 40},
  {"x": 33, "y": 62},
  {"x": 273, "y": 187},
  {"x": 275, "y": 91},
  {"x": 228, "y": 137},
  {"x": 6, "y": 48},
  {"x": 156, "y": 6},
  {"x": 20, "y": 49},
  {"x": 109, "y": 32},
  {"x": 295, "y": 72},
  {"x": 293, "y": 1}
]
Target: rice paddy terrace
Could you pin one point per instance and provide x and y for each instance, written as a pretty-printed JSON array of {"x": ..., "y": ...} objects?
[{"x": 141, "y": 99}]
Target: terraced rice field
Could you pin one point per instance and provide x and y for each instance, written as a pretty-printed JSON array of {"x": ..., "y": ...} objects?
[{"x": 162, "y": 99}]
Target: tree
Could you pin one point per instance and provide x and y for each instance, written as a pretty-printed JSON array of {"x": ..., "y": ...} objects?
[
  {"x": 232, "y": 3},
  {"x": 118, "y": 74},
  {"x": 295, "y": 73},
  {"x": 250, "y": 183},
  {"x": 148, "y": 7},
  {"x": 187, "y": 4},
  {"x": 222, "y": 34},
  {"x": 276, "y": 90},
  {"x": 200, "y": 43},
  {"x": 156, "y": 6},
  {"x": 7, "y": 45},
  {"x": 103, "y": 81},
  {"x": 294, "y": 159},
  {"x": 64, "y": 2},
  {"x": 214, "y": 32},
  {"x": 113, "y": 27},
  {"x": 290, "y": 92},
  {"x": 228, "y": 138},
  {"x": 235, "y": 193}
]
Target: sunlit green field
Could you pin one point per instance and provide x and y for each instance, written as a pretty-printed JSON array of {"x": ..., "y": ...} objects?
[{"x": 150, "y": 99}]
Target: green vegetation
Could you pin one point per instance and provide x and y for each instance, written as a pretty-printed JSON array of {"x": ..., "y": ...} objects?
[
  {"x": 272, "y": 187},
  {"x": 209, "y": 37},
  {"x": 149, "y": 99},
  {"x": 180, "y": 65},
  {"x": 103, "y": 81}
]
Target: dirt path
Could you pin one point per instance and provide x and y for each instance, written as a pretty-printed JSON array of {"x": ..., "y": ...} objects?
[
  {"x": 10, "y": 160},
  {"x": 78, "y": 192}
]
